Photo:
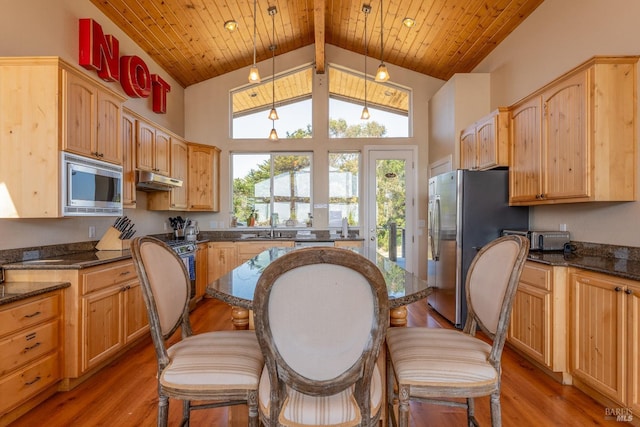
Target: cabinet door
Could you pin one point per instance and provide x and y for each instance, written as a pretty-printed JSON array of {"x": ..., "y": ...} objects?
[
  {"x": 200, "y": 177},
  {"x": 136, "y": 321},
  {"x": 222, "y": 258},
  {"x": 492, "y": 136},
  {"x": 80, "y": 115},
  {"x": 529, "y": 328},
  {"x": 179, "y": 170},
  {"x": 598, "y": 334},
  {"x": 129, "y": 161},
  {"x": 108, "y": 134},
  {"x": 526, "y": 150},
  {"x": 145, "y": 139},
  {"x": 633, "y": 323},
  {"x": 468, "y": 150},
  {"x": 161, "y": 154},
  {"x": 102, "y": 326},
  {"x": 566, "y": 155}
]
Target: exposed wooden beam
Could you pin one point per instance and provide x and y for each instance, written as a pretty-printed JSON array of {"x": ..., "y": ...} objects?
[{"x": 318, "y": 24}]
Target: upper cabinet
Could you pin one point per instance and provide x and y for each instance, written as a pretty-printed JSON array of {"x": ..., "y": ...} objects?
[
  {"x": 204, "y": 178},
  {"x": 176, "y": 199},
  {"x": 152, "y": 149},
  {"x": 41, "y": 98},
  {"x": 485, "y": 144},
  {"x": 574, "y": 140},
  {"x": 91, "y": 119}
]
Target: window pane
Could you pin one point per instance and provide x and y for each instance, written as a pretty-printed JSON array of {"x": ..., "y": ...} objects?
[
  {"x": 388, "y": 105},
  {"x": 292, "y": 92},
  {"x": 344, "y": 195},
  {"x": 272, "y": 183}
]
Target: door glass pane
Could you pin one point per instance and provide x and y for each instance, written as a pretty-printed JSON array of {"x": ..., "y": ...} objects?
[
  {"x": 344, "y": 195},
  {"x": 391, "y": 208}
]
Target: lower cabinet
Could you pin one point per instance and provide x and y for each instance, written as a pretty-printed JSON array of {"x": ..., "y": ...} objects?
[
  {"x": 30, "y": 353},
  {"x": 605, "y": 338},
  {"x": 247, "y": 250},
  {"x": 538, "y": 325},
  {"x": 221, "y": 259}
]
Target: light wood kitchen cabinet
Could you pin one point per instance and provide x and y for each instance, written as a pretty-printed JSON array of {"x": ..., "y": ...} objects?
[
  {"x": 92, "y": 119},
  {"x": 348, "y": 243},
  {"x": 539, "y": 319},
  {"x": 152, "y": 148},
  {"x": 128, "y": 160},
  {"x": 104, "y": 311},
  {"x": 485, "y": 144},
  {"x": 222, "y": 258},
  {"x": 30, "y": 353},
  {"x": 176, "y": 199},
  {"x": 204, "y": 177},
  {"x": 574, "y": 140},
  {"x": 202, "y": 264},
  {"x": 33, "y": 128},
  {"x": 605, "y": 338}
]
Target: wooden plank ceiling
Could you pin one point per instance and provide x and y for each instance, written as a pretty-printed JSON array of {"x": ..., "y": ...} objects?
[{"x": 188, "y": 39}]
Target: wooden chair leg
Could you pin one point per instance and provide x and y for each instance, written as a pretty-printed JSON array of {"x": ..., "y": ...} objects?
[
  {"x": 471, "y": 419},
  {"x": 252, "y": 403},
  {"x": 186, "y": 407},
  {"x": 496, "y": 413},
  {"x": 403, "y": 405},
  {"x": 163, "y": 411}
]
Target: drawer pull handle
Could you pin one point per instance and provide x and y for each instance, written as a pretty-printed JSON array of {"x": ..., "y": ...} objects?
[
  {"x": 628, "y": 292},
  {"x": 617, "y": 289},
  {"x": 35, "y": 380},
  {"x": 37, "y": 313},
  {"x": 30, "y": 336},
  {"x": 124, "y": 273},
  {"x": 32, "y": 347}
]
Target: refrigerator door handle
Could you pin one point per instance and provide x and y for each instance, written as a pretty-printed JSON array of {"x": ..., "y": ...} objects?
[{"x": 435, "y": 240}]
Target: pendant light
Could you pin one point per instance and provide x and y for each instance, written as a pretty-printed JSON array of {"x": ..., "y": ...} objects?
[
  {"x": 382, "y": 75},
  {"x": 365, "y": 111},
  {"x": 273, "y": 114},
  {"x": 254, "y": 75}
]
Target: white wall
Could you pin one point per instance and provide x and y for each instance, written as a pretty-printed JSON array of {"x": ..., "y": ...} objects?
[
  {"x": 207, "y": 121},
  {"x": 556, "y": 37},
  {"x": 50, "y": 28}
]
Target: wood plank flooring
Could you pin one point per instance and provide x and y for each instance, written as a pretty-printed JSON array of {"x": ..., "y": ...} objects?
[{"x": 124, "y": 393}]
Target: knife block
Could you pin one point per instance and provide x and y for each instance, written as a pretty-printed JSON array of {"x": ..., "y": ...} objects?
[{"x": 111, "y": 242}]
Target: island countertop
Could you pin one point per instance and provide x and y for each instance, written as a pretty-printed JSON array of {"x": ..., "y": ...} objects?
[
  {"x": 237, "y": 287},
  {"x": 16, "y": 291}
]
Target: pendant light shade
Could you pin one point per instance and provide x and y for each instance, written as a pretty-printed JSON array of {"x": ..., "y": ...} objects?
[
  {"x": 382, "y": 75},
  {"x": 273, "y": 114},
  {"x": 254, "y": 75},
  {"x": 365, "y": 111}
]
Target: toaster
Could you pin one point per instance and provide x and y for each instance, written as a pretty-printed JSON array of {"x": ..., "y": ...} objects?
[{"x": 543, "y": 240}]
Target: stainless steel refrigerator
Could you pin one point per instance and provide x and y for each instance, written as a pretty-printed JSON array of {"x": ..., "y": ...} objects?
[{"x": 467, "y": 209}]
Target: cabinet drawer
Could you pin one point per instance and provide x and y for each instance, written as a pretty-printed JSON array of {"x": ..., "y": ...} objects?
[
  {"x": 106, "y": 276},
  {"x": 255, "y": 248},
  {"x": 24, "y": 347},
  {"x": 27, "y": 314},
  {"x": 23, "y": 384},
  {"x": 536, "y": 275}
]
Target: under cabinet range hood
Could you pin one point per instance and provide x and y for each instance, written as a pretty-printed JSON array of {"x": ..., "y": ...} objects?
[{"x": 150, "y": 181}]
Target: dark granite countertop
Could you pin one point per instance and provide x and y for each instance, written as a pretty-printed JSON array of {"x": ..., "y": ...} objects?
[
  {"x": 73, "y": 261},
  {"x": 619, "y": 267},
  {"x": 16, "y": 291}
]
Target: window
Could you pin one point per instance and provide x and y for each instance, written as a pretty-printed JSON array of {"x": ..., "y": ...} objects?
[
  {"x": 271, "y": 189},
  {"x": 251, "y": 104},
  {"x": 388, "y": 105},
  {"x": 344, "y": 194}
]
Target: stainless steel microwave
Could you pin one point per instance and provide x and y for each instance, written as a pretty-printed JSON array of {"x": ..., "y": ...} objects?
[{"x": 90, "y": 187}]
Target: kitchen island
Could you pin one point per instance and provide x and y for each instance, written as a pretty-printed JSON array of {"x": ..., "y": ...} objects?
[{"x": 237, "y": 287}]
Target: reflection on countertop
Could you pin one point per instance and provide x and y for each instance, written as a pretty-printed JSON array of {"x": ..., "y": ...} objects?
[{"x": 16, "y": 291}]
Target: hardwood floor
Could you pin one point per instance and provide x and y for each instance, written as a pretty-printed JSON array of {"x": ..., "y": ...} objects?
[{"x": 124, "y": 393}]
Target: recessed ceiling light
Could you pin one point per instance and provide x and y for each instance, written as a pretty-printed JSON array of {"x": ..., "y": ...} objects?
[
  {"x": 231, "y": 26},
  {"x": 408, "y": 22}
]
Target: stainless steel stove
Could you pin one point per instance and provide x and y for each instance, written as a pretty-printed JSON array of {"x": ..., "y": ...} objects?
[
  {"x": 187, "y": 251},
  {"x": 182, "y": 247}
]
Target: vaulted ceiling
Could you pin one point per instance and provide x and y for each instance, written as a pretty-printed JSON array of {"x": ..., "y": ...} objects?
[{"x": 187, "y": 38}]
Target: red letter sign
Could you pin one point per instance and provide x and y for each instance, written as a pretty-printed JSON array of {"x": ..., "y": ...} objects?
[
  {"x": 136, "y": 80},
  {"x": 99, "y": 52},
  {"x": 159, "y": 95}
]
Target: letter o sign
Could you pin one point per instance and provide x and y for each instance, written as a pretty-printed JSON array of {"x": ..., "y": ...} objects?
[{"x": 135, "y": 77}]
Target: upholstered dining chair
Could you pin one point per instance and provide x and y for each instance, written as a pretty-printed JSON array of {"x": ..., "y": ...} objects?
[
  {"x": 219, "y": 368},
  {"x": 452, "y": 367},
  {"x": 320, "y": 315}
]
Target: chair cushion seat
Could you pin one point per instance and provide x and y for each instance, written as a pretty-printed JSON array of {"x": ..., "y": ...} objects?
[
  {"x": 214, "y": 360},
  {"x": 436, "y": 357},
  {"x": 339, "y": 409}
]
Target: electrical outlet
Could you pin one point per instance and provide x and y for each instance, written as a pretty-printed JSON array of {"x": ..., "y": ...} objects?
[
  {"x": 92, "y": 231},
  {"x": 563, "y": 227},
  {"x": 164, "y": 225}
]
